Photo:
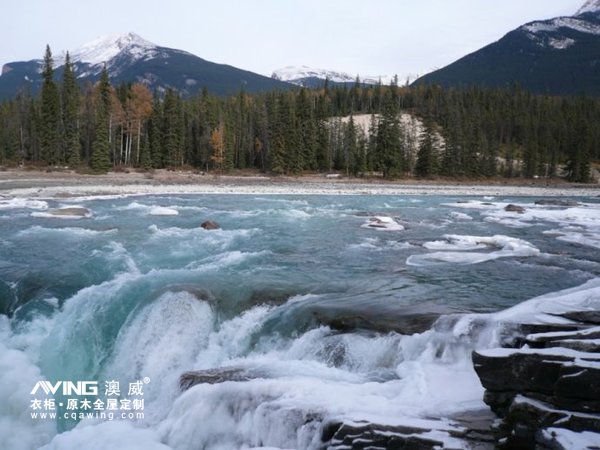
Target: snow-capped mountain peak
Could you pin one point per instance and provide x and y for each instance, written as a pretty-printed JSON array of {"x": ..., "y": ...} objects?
[
  {"x": 104, "y": 48},
  {"x": 301, "y": 74},
  {"x": 293, "y": 73},
  {"x": 592, "y": 6}
]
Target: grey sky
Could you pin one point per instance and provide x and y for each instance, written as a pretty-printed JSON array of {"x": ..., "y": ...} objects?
[{"x": 379, "y": 37}]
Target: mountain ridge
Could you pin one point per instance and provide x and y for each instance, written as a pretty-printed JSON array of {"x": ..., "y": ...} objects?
[
  {"x": 130, "y": 58},
  {"x": 558, "y": 56}
]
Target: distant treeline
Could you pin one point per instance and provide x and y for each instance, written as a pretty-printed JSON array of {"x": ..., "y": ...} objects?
[{"x": 470, "y": 133}]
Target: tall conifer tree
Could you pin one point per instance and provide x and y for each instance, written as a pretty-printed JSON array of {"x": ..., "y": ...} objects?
[
  {"x": 50, "y": 129},
  {"x": 70, "y": 101},
  {"x": 101, "y": 147}
]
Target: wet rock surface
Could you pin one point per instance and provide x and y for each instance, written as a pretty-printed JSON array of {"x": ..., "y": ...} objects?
[
  {"x": 514, "y": 208},
  {"x": 550, "y": 382},
  {"x": 427, "y": 435},
  {"x": 214, "y": 376},
  {"x": 210, "y": 225},
  {"x": 70, "y": 211}
]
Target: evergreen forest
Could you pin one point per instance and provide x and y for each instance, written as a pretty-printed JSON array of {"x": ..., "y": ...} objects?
[{"x": 467, "y": 133}]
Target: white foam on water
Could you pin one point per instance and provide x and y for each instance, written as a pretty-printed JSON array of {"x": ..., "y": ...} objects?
[
  {"x": 62, "y": 233},
  {"x": 232, "y": 339},
  {"x": 89, "y": 198},
  {"x": 382, "y": 223},
  {"x": 22, "y": 203},
  {"x": 455, "y": 243},
  {"x": 117, "y": 434},
  {"x": 18, "y": 375},
  {"x": 460, "y": 216},
  {"x": 116, "y": 252},
  {"x": 545, "y": 308},
  {"x": 189, "y": 208},
  {"x": 586, "y": 215},
  {"x": 163, "y": 211},
  {"x": 226, "y": 259},
  {"x": 275, "y": 411},
  {"x": 584, "y": 239},
  {"x": 379, "y": 245},
  {"x": 161, "y": 341},
  {"x": 133, "y": 206},
  {"x": 475, "y": 204},
  {"x": 461, "y": 250},
  {"x": 511, "y": 222},
  {"x": 296, "y": 202}
]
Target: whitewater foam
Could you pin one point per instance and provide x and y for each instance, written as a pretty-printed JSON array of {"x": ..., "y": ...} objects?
[{"x": 461, "y": 250}]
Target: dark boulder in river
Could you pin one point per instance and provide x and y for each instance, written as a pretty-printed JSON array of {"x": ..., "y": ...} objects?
[
  {"x": 210, "y": 225},
  {"x": 514, "y": 208}
]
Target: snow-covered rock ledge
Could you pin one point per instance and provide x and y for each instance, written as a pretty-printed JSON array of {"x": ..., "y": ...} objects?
[{"x": 546, "y": 388}]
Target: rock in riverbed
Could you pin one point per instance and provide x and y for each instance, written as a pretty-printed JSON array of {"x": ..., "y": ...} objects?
[
  {"x": 210, "y": 225},
  {"x": 549, "y": 383},
  {"x": 514, "y": 208}
]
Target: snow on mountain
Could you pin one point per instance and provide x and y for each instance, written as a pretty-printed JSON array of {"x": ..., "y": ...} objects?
[
  {"x": 583, "y": 26},
  {"x": 293, "y": 73},
  {"x": 589, "y": 6},
  {"x": 127, "y": 47},
  {"x": 552, "y": 33},
  {"x": 104, "y": 48},
  {"x": 298, "y": 74}
]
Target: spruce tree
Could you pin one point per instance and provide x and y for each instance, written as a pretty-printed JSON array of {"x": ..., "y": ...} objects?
[
  {"x": 426, "y": 157},
  {"x": 50, "y": 126},
  {"x": 100, "y": 162},
  {"x": 173, "y": 129},
  {"x": 70, "y": 98},
  {"x": 156, "y": 136},
  {"x": 389, "y": 151},
  {"x": 350, "y": 148}
]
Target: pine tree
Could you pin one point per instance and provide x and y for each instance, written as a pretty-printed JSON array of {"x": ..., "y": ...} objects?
[
  {"x": 389, "y": 151},
  {"x": 155, "y": 136},
  {"x": 426, "y": 157},
  {"x": 100, "y": 162},
  {"x": 173, "y": 129},
  {"x": 50, "y": 129},
  {"x": 350, "y": 148},
  {"x": 70, "y": 98}
]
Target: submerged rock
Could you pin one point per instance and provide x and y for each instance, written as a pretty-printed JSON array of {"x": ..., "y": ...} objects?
[
  {"x": 215, "y": 376},
  {"x": 372, "y": 316},
  {"x": 210, "y": 225},
  {"x": 557, "y": 202},
  {"x": 75, "y": 211},
  {"x": 514, "y": 208}
]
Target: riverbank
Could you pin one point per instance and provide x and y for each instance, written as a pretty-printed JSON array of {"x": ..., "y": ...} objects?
[{"x": 41, "y": 184}]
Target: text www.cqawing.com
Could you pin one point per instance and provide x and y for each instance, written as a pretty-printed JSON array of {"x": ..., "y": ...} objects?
[{"x": 89, "y": 415}]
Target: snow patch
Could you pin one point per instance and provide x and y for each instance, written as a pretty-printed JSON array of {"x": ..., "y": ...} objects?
[
  {"x": 561, "y": 44},
  {"x": 105, "y": 48},
  {"x": 573, "y": 23}
]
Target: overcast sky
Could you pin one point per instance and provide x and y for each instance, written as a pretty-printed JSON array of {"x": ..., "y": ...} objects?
[{"x": 377, "y": 37}]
